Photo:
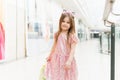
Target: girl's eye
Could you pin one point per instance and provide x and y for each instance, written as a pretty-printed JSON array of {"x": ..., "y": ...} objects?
[
  {"x": 68, "y": 22},
  {"x": 63, "y": 21}
]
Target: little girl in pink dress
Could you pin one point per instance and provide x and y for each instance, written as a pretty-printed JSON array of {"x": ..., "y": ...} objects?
[{"x": 61, "y": 64}]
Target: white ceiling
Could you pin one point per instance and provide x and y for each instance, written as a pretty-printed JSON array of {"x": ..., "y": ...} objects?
[
  {"x": 90, "y": 11},
  {"x": 96, "y": 9},
  {"x": 74, "y": 6}
]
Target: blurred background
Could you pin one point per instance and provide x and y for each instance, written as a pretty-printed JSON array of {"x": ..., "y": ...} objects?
[{"x": 29, "y": 26}]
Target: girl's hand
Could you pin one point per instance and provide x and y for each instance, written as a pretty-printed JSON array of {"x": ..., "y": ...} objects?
[
  {"x": 67, "y": 65},
  {"x": 48, "y": 58}
]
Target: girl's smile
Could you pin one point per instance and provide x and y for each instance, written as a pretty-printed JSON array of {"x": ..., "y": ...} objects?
[{"x": 65, "y": 25}]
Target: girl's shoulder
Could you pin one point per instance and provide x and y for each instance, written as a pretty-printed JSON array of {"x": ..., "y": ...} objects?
[
  {"x": 71, "y": 35},
  {"x": 55, "y": 34},
  {"x": 73, "y": 38}
]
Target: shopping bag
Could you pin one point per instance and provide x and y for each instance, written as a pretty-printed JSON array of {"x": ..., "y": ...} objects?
[{"x": 42, "y": 72}]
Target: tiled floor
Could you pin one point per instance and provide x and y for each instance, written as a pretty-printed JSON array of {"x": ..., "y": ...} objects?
[{"x": 92, "y": 65}]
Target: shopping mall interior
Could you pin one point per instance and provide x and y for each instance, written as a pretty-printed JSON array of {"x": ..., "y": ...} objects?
[{"x": 27, "y": 30}]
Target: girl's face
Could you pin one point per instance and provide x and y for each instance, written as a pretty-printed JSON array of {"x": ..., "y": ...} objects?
[{"x": 65, "y": 25}]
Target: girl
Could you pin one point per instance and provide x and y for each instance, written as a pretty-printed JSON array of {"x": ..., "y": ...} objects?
[{"x": 61, "y": 64}]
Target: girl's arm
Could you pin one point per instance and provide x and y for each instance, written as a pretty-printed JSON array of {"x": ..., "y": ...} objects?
[
  {"x": 51, "y": 52},
  {"x": 54, "y": 44},
  {"x": 73, "y": 42},
  {"x": 72, "y": 52},
  {"x": 52, "y": 49}
]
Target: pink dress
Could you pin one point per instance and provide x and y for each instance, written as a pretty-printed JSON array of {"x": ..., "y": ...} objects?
[
  {"x": 55, "y": 68},
  {"x": 2, "y": 42}
]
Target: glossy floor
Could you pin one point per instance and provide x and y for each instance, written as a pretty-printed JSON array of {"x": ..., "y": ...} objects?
[{"x": 92, "y": 65}]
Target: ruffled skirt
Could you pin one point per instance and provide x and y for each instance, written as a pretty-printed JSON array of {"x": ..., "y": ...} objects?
[{"x": 55, "y": 69}]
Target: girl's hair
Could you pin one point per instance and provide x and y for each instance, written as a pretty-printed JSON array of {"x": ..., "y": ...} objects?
[{"x": 72, "y": 23}]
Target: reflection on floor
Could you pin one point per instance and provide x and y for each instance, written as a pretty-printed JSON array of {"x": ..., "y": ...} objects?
[{"x": 92, "y": 65}]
